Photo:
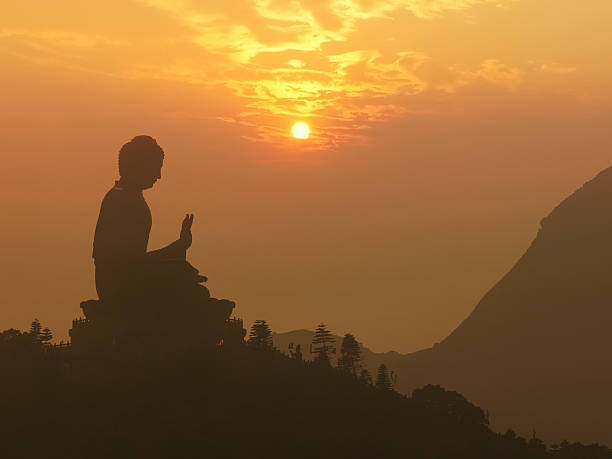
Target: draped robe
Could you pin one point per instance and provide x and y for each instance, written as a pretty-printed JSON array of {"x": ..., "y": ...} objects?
[{"x": 120, "y": 243}]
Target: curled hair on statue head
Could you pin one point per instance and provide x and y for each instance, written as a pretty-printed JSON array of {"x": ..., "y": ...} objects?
[{"x": 139, "y": 152}]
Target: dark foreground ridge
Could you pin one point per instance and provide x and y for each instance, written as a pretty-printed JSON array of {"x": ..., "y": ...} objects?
[{"x": 228, "y": 400}]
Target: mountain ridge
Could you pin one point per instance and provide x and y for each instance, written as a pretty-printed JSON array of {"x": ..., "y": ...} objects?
[{"x": 541, "y": 337}]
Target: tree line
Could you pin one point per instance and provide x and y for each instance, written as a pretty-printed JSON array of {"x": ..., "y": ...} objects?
[
  {"x": 323, "y": 346},
  {"x": 205, "y": 401}
]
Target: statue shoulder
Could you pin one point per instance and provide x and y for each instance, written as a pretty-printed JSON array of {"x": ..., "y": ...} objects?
[{"x": 116, "y": 200}]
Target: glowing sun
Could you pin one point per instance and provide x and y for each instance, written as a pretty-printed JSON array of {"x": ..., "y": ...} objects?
[{"x": 300, "y": 130}]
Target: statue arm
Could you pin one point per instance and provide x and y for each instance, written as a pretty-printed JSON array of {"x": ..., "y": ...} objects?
[
  {"x": 172, "y": 251},
  {"x": 178, "y": 249}
]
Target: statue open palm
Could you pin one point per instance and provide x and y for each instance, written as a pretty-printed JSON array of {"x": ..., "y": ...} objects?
[{"x": 186, "y": 236}]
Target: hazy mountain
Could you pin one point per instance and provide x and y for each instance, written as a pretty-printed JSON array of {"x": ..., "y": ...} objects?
[
  {"x": 537, "y": 347},
  {"x": 539, "y": 343}
]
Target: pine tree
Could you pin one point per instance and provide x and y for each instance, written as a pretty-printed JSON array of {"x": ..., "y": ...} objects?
[
  {"x": 383, "y": 381},
  {"x": 260, "y": 335},
  {"x": 35, "y": 330},
  {"x": 323, "y": 344},
  {"x": 365, "y": 376},
  {"x": 46, "y": 336},
  {"x": 350, "y": 355},
  {"x": 297, "y": 353}
]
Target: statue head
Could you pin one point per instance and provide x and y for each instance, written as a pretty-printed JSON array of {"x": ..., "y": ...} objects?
[{"x": 140, "y": 162}]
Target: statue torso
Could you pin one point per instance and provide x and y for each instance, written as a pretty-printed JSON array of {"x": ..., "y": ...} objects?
[{"x": 122, "y": 231}]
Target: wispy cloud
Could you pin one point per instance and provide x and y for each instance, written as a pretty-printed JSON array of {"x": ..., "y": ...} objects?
[
  {"x": 552, "y": 67},
  {"x": 492, "y": 71},
  {"x": 285, "y": 59}
]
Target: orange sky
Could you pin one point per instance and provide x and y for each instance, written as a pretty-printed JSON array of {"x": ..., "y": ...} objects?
[{"x": 442, "y": 132}]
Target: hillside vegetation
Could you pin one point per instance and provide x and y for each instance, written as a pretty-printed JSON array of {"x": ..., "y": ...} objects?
[{"x": 242, "y": 401}]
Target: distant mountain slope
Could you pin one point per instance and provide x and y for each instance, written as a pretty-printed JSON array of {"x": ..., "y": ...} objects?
[
  {"x": 540, "y": 341},
  {"x": 539, "y": 344}
]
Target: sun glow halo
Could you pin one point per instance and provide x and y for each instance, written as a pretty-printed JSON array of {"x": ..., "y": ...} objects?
[{"x": 300, "y": 130}]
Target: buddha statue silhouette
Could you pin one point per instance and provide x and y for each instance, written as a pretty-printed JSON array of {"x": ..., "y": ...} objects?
[
  {"x": 146, "y": 294},
  {"x": 122, "y": 232}
]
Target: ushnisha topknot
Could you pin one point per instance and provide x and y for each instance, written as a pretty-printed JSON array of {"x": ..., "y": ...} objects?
[{"x": 142, "y": 149}]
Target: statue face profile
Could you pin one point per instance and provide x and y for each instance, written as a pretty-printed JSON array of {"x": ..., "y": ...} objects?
[
  {"x": 140, "y": 162},
  {"x": 150, "y": 173}
]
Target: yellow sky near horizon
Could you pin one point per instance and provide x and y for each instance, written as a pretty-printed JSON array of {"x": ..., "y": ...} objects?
[
  {"x": 442, "y": 131},
  {"x": 341, "y": 65}
]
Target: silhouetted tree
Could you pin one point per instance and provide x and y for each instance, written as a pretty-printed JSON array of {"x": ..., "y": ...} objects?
[
  {"x": 261, "y": 335},
  {"x": 567, "y": 450},
  {"x": 365, "y": 376},
  {"x": 350, "y": 355},
  {"x": 35, "y": 330},
  {"x": 46, "y": 336},
  {"x": 452, "y": 405},
  {"x": 297, "y": 353},
  {"x": 383, "y": 381},
  {"x": 11, "y": 340},
  {"x": 323, "y": 344},
  {"x": 20, "y": 347},
  {"x": 9, "y": 335},
  {"x": 535, "y": 445}
]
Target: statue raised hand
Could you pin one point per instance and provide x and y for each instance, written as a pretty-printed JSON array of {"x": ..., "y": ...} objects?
[{"x": 186, "y": 237}]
